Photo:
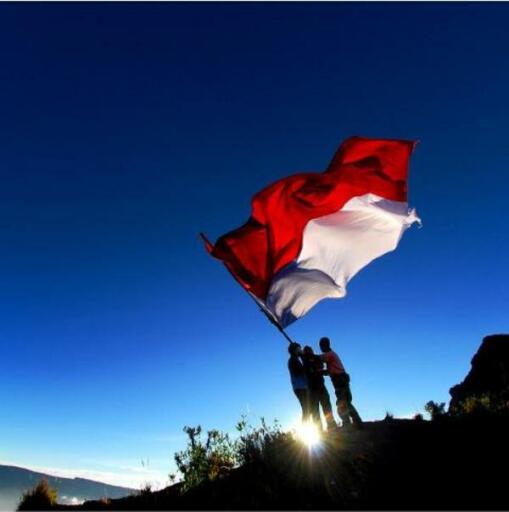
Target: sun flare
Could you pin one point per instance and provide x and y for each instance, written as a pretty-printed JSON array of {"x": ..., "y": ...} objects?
[{"x": 308, "y": 433}]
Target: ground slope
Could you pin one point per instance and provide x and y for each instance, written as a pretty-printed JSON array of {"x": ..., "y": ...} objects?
[{"x": 398, "y": 464}]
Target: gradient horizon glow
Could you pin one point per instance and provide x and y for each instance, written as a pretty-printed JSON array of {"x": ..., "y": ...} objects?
[{"x": 126, "y": 129}]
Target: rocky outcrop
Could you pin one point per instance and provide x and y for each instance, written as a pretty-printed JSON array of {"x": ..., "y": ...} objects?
[{"x": 489, "y": 374}]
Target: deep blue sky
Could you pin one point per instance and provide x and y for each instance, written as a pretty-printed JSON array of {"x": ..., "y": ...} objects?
[{"x": 125, "y": 129}]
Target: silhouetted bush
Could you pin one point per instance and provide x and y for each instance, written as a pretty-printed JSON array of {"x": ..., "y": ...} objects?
[
  {"x": 258, "y": 444},
  {"x": 146, "y": 489},
  {"x": 204, "y": 459},
  {"x": 210, "y": 458},
  {"x": 388, "y": 416},
  {"x": 484, "y": 404},
  {"x": 435, "y": 410},
  {"x": 41, "y": 497}
]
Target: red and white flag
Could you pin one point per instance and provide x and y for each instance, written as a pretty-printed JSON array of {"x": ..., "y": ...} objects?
[{"x": 310, "y": 233}]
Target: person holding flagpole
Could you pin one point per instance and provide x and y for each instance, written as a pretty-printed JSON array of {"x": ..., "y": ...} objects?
[
  {"x": 299, "y": 379},
  {"x": 318, "y": 394},
  {"x": 341, "y": 382}
]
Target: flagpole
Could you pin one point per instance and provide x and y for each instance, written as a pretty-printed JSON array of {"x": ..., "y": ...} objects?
[{"x": 269, "y": 318}]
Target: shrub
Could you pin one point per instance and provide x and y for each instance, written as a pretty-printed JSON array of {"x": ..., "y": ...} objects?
[
  {"x": 204, "y": 459},
  {"x": 435, "y": 410},
  {"x": 257, "y": 444},
  {"x": 41, "y": 497},
  {"x": 210, "y": 458},
  {"x": 481, "y": 405},
  {"x": 146, "y": 490}
]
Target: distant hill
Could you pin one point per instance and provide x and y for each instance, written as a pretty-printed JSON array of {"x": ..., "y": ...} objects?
[{"x": 15, "y": 480}]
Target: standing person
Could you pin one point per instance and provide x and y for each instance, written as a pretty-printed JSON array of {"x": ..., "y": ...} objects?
[
  {"x": 341, "y": 382},
  {"x": 319, "y": 396},
  {"x": 298, "y": 378}
]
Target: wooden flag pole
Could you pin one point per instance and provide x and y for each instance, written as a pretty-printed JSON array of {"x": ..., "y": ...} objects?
[{"x": 209, "y": 247}]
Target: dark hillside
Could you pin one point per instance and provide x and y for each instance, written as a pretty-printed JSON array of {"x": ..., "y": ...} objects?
[{"x": 396, "y": 464}]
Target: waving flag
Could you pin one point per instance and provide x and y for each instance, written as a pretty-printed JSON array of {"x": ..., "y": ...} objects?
[{"x": 310, "y": 233}]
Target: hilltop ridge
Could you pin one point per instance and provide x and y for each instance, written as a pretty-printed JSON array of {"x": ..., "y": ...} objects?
[{"x": 393, "y": 464}]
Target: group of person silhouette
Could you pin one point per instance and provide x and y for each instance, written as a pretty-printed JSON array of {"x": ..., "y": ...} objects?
[{"x": 307, "y": 371}]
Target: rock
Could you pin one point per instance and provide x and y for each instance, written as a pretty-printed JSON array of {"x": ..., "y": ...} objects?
[{"x": 489, "y": 373}]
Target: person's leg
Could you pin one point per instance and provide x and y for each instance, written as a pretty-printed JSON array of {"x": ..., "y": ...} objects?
[
  {"x": 352, "y": 411},
  {"x": 314, "y": 409},
  {"x": 307, "y": 405},
  {"x": 301, "y": 394},
  {"x": 324, "y": 399},
  {"x": 343, "y": 411},
  {"x": 341, "y": 403},
  {"x": 357, "y": 420}
]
